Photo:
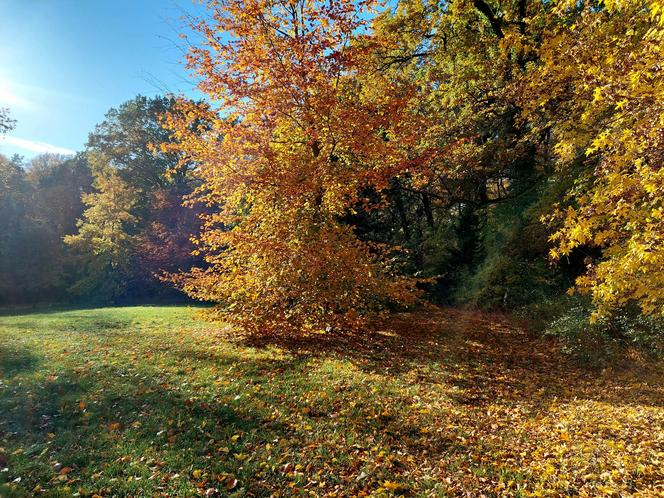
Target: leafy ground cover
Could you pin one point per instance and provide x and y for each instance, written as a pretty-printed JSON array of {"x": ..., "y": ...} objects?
[{"x": 150, "y": 401}]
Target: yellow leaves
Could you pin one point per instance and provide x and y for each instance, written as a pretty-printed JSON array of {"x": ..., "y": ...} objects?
[
  {"x": 306, "y": 136},
  {"x": 597, "y": 95},
  {"x": 656, "y": 9},
  {"x": 393, "y": 486},
  {"x": 600, "y": 142},
  {"x": 610, "y": 115},
  {"x": 566, "y": 151}
]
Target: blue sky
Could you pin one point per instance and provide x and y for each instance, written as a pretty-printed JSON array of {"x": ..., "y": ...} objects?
[{"x": 64, "y": 63}]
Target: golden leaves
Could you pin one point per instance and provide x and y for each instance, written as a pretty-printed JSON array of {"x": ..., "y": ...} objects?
[
  {"x": 612, "y": 115},
  {"x": 303, "y": 125}
]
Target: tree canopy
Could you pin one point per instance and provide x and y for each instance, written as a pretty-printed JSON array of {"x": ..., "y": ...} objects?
[
  {"x": 331, "y": 122},
  {"x": 352, "y": 158}
]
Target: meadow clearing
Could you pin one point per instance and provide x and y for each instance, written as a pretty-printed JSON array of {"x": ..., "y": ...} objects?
[{"x": 152, "y": 401}]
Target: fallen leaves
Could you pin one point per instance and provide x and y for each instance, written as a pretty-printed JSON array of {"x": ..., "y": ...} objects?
[
  {"x": 115, "y": 426},
  {"x": 463, "y": 404},
  {"x": 231, "y": 483}
]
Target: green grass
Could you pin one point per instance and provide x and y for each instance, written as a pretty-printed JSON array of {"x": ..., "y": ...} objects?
[{"x": 151, "y": 401}]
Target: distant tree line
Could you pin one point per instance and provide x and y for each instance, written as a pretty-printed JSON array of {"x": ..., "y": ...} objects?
[{"x": 102, "y": 226}]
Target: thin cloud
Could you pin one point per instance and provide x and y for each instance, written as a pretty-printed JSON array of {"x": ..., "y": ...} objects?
[
  {"x": 11, "y": 99},
  {"x": 39, "y": 147},
  {"x": 37, "y": 91},
  {"x": 16, "y": 95}
]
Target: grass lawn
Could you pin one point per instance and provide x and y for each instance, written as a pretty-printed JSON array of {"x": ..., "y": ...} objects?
[{"x": 150, "y": 401}]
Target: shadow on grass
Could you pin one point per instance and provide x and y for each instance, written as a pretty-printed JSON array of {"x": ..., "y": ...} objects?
[
  {"x": 97, "y": 321},
  {"x": 122, "y": 431},
  {"x": 488, "y": 357},
  {"x": 130, "y": 424},
  {"x": 15, "y": 360}
]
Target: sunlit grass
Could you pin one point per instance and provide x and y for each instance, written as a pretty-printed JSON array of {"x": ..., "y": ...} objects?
[{"x": 147, "y": 401}]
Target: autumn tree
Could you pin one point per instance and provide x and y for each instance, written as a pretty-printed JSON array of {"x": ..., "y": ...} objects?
[
  {"x": 132, "y": 226},
  {"x": 471, "y": 218},
  {"x": 598, "y": 90},
  {"x": 543, "y": 105},
  {"x": 104, "y": 240},
  {"x": 302, "y": 124}
]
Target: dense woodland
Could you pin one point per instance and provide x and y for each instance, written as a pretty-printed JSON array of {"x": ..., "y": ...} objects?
[{"x": 352, "y": 159}]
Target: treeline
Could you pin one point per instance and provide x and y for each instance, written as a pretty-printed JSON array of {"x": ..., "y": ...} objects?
[
  {"x": 498, "y": 155},
  {"x": 100, "y": 227}
]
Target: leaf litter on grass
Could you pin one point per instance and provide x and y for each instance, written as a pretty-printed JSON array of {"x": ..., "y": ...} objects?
[{"x": 442, "y": 403}]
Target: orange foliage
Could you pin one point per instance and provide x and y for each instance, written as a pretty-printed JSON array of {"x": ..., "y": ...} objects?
[{"x": 300, "y": 126}]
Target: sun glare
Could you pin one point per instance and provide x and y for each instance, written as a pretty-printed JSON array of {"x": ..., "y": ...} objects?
[{"x": 10, "y": 96}]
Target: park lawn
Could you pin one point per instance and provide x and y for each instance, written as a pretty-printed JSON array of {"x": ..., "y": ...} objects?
[{"x": 151, "y": 401}]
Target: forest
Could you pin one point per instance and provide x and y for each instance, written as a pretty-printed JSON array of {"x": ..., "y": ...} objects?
[
  {"x": 493, "y": 167},
  {"x": 353, "y": 160}
]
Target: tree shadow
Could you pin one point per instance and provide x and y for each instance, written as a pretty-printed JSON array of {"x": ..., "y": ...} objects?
[
  {"x": 121, "y": 424},
  {"x": 116, "y": 432},
  {"x": 77, "y": 321},
  {"x": 500, "y": 359},
  {"x": 495, "y": 386},
  {"x": 15, "y": 360}
]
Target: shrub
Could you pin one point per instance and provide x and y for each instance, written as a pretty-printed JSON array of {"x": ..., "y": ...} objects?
[{"x": 597, "y": 342}]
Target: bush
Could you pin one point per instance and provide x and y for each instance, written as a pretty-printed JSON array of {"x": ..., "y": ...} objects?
[{"x": 597, "y": 342}]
